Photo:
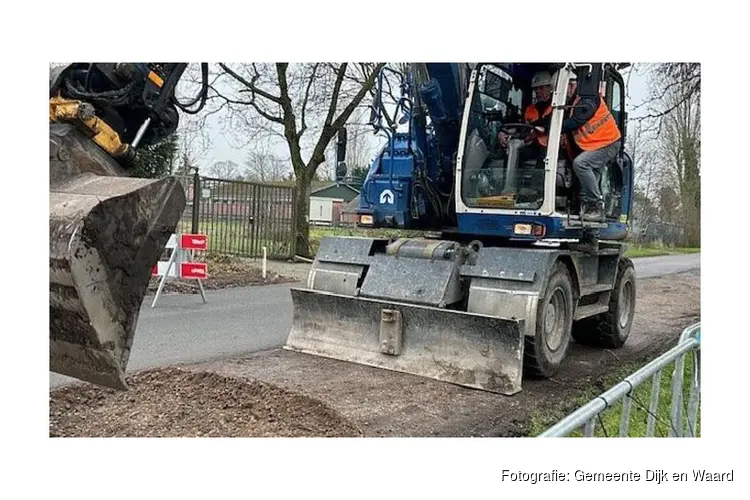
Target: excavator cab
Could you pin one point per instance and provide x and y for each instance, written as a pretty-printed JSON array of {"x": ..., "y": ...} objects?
[
  {"x": 505, "y": 173},
  {"x": 525, "y": 175}
]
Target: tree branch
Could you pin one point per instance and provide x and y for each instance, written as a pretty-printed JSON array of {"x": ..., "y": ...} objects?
[
  {"x": 205, "y": 115},
  {"x": 684, "y": 98},
  {"x": 335, "y": 95},
  {"x": 341, "y": 120},
  {"x": 329, "y": 129},
  {"x": 263, "y": 113},
  {"x": 251, "y": 84},
  {"x": 655, "y": 98},
  {"x": 305, "y": 99},
  {"x": 225, "y": 98},
  {"x": 255, "y": 130},
  {"x": 266, "y": 115}
]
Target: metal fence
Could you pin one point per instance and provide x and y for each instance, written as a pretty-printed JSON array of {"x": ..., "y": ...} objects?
[
  {"x": 682, "y": 419},
  {"x": 241, "y": 218}
]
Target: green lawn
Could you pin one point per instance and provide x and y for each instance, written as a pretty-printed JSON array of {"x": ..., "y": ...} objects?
[
  {"x": 610, "y": 418},
  {"x": 637, "y": 251},
  {"x": 241, "y": 239}
]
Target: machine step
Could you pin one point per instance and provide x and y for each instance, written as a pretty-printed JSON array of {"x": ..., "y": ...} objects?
[
  {"x": 598, "y": 288},
  {"x": 575, "y": 222},
  {"x": 590, "y": 310}
]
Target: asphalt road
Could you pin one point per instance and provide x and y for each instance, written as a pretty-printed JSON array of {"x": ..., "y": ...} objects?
[
  {"x": 649, "y": 267},
  {"x": 182, "y": 329}
]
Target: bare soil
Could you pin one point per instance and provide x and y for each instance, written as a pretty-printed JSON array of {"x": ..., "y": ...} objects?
[
  {"x": 172, "y": 402},
  {"x": 282, "y": 393},
  {"x": 228, "y": 272}
]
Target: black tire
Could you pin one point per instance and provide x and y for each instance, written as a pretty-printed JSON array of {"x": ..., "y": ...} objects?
[
  {"x": 545, "y": 352},
  {"x": 612, "y": 328}
]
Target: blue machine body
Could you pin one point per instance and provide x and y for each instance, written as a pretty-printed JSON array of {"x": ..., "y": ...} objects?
[{"x": 415, "y": 169}]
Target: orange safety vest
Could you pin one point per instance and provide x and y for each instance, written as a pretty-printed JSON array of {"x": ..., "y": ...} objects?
[
  {"x": 600, "y": 131},
  {"x": 531, "y": 114}
]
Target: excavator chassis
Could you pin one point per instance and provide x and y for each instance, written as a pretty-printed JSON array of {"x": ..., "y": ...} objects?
[
  {"x": 107, "y": 232},
  {"x": 467, "y": 315}
]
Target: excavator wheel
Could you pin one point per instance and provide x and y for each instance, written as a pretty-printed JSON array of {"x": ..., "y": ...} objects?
[
  {"x": 545, "y": 352},
  {"x": 612, "y": 328}
]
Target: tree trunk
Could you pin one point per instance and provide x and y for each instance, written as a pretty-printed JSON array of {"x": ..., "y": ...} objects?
[{"x": 301, "y": 220}]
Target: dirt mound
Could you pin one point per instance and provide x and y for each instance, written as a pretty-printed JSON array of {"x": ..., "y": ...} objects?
[
  {"x": 178, "y": 403},
  {"x": 224, "y": 271}
]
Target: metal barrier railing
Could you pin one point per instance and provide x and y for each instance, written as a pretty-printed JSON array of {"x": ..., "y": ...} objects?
[{"x": 586, "y": 417}]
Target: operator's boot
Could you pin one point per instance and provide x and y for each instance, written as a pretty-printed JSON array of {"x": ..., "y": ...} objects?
[{"x": 593, "y": 211}]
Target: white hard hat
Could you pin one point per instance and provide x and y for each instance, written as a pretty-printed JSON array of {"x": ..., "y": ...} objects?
[{"x": 540, "y": 79}]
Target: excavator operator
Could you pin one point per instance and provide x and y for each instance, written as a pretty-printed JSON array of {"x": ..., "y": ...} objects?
[{"x": 539, "y": 114}]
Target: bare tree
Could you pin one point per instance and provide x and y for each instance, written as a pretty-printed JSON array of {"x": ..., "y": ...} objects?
[
  {"x": 669, "y": 205},
  {"x": 359, "y": 148},
  {"x": 193, "y": 145},
  {"x": 669, "y": 79},
  {"x": 667, "y": 139},
  {"x": 647, "y": 176},
  {"x": 227, "y": 169},
  {"x": 262, "y": 165},
  {"x": 304, "y": 105},
  {"x": 680, "y": 147}
]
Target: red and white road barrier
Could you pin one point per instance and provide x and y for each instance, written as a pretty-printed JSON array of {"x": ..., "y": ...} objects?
[{"x": 180, "y": 265}]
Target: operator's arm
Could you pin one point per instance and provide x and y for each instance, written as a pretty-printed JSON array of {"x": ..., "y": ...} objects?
[
  {"x": 581, "y": 114},
  {"x": 543, "y": 122}
]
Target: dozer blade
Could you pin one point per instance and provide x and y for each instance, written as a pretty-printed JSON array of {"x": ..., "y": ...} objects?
[
  {"x": 467, "y": 349},
  {"x": 106, "y": 234}
]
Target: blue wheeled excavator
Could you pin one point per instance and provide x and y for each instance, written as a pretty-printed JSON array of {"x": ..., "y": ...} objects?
[
  {"x": 504, "y": 276},
  {"x": 507, "y": 272}
]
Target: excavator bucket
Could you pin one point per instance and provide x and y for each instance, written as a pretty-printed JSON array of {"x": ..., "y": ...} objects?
[
  {"x": 107, "y": 232},
  {"x": 468, "y": 349}
]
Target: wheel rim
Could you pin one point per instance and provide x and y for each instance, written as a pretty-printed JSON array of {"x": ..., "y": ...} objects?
[
  {"x": 554, "y": 320},
  {"x": 625, "y": 303}
]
